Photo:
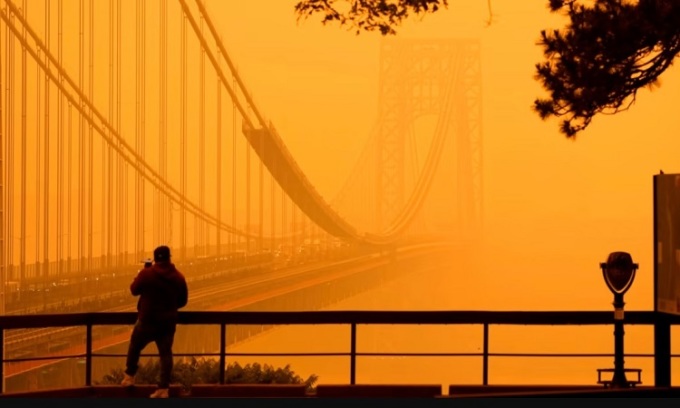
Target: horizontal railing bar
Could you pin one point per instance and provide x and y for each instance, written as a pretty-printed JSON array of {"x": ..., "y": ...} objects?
[
  {"x": 57, "y": 357},
  {"x": 452, "y": 354},
  {"x": 459, "y": 354},
  {"x": 331, "y": 354},
  {"x": 345, "y": 354},
  {"x": 156, "y": 355},
  {"x": 564, "y": 355},
  {"x": 522, "y": 318},
  {"x": 477, "y": 354},
  {"x": 232, "y": 354}
]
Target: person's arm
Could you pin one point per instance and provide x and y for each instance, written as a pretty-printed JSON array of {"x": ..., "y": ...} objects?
[
  {"x": 183, "y": 297},
  {"x": 138, "y": 283}
]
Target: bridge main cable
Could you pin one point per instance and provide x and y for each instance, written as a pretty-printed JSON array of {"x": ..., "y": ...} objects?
[
  {"x": 325, "y": 216},
  {"x": 218, "y": 70}
]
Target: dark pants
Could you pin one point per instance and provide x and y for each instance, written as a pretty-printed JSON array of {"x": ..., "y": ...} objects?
[{"x": 142, "y": 335}]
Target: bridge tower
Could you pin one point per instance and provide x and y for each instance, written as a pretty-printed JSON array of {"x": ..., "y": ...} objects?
[{"x": 416, "y": 78}]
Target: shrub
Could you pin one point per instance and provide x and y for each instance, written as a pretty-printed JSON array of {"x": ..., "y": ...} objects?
[{"x": 206, "y": 371}]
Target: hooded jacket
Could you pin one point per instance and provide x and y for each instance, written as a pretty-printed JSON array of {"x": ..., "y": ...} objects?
[{"x": 162, "y": 290}]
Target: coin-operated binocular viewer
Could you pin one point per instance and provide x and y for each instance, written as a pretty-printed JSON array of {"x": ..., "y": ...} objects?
[{"x": 619, "y": 273}]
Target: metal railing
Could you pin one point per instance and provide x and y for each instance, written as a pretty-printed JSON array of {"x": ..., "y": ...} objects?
[{"x": 661, "y": 323}]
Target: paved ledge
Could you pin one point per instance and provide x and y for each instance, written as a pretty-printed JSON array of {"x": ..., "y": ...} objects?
[
  {"x": 465, "y": 389},
  {"x": 136, "y": 391},
  {"x": 96, "y": 391},
  {"x": 354, "y": 391},
  {"x": 79, "y": 392},
  {"x": 248, "y": 391},
  {"x": 378, "y": 390},
  {"x": 558, "y": 391}
]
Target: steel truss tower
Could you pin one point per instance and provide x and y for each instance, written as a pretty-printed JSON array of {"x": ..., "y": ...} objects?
[{"x": 416, "y": 78}]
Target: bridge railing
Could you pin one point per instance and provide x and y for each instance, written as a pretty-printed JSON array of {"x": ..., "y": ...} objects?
[{"x": 661, "y": 323}]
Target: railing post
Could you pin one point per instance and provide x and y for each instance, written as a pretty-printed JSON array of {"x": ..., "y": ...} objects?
[
  {"x": 223, "y": 351},
  {"x": 88, "y": 354},
  {"x": 619, "y": 379},
  {"x": 662, "y": 352},
  {"x": 353, "y": 354},
  {"x": 485, "y": 356},
  {"x": 2, "y": 360}
]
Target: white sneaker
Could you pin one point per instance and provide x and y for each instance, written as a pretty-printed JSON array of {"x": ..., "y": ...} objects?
[
  {"x": 128, "y": 380},
  {"x": 160, "y": 393}
]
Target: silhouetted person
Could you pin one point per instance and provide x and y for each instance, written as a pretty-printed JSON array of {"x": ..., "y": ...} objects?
[{"x": 162, "y": 290}]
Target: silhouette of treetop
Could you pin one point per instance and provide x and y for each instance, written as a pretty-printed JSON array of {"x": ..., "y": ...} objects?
[
  {"x": 609, "y": 50},
  {"x": 367, "y": 15}
]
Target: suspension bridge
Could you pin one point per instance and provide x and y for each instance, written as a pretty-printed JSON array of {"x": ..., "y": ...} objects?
[{"x": 126, "y": 125}]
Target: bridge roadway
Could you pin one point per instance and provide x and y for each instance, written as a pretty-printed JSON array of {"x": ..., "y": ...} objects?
[
  {"x": 78, "y": 292},
  {"x": 61, "y": 342},
  {"x": 200, "y": 299},
  {"x": 203, "y": 289}
]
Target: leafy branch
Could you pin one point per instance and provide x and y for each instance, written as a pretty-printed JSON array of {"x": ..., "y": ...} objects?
[
  {"x": 608, "y": 51},
  {"x": 367, "y": 15},
  {"x": 206, "y": 371}
]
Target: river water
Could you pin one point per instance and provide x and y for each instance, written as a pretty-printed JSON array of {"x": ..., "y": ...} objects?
[{"x": 445, "y": 285}]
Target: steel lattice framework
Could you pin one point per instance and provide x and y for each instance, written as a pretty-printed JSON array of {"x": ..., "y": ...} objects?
[{"x": 418, "y": 77}]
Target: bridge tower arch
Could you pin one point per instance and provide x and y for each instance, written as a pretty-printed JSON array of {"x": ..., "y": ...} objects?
[{"x": 415, "y": 76}]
